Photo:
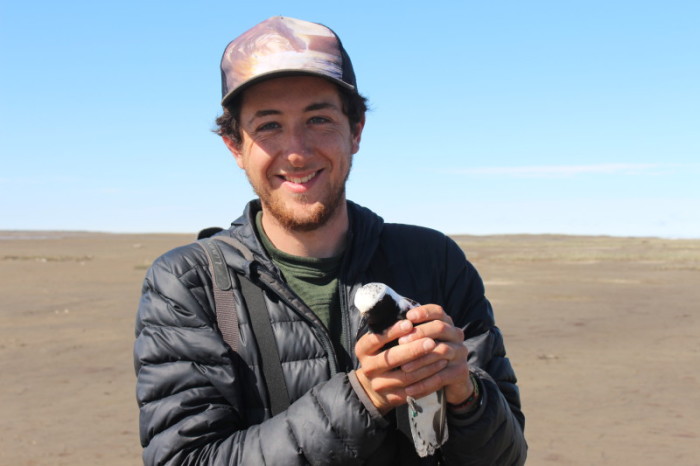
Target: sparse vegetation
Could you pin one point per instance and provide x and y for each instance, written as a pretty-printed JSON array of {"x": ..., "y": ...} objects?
[
  {"x": 665, "y": 253},
  {"x": 48, "y": 258}
]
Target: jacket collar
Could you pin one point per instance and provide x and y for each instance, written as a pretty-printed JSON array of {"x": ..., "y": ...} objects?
[{"x": 363, "y": 238}]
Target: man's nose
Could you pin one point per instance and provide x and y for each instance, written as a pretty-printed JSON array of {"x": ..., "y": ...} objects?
[{"x": 298, "y": 147}]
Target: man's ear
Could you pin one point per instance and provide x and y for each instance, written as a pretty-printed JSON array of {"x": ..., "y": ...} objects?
[
  {"x": 357, "y": 135},
  {"x": 235, "y": 150}
]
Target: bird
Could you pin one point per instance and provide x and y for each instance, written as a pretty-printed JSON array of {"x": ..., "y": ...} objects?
[{"x": 380, "y": 307}]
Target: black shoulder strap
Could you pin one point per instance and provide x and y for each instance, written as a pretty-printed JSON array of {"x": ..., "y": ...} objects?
[
  {"x": 227, "y": 319},
  {"x": 207, "y": 232},
  {"x": 269, "y": 354}
]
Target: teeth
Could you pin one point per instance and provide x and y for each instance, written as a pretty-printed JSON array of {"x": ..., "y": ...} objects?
[{"x": 300, "y": 180}]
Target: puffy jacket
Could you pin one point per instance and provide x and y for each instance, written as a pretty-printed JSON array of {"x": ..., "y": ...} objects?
[{"x": 201, "y": 403}]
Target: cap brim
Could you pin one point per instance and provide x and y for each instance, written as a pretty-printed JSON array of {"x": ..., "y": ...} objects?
[{"x": 280, "y": 74}]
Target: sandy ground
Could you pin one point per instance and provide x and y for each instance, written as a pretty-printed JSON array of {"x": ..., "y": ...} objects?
[{"x": 604, "y": 334}]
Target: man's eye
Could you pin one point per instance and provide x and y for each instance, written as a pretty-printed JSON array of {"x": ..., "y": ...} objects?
[
  {"x": 268, "y": 126},
  {"x": 318, "y": 120}
]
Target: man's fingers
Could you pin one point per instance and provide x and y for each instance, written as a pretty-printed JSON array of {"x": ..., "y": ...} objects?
[
  {"x": 437, "y": 330},
  {"x": 428, "y": 312},
  {"x": 396, "y": 356},
  {"x": 399, "y": 355},
  {"x": 372, "y": 343},
  {"x": 430, "y": 355},
  {"x": 451, "y": 374},
  {"x": 396, "y": 380},
  {"x": 450, "y": 352}
]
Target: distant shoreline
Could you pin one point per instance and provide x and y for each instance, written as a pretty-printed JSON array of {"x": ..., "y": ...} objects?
[{"x": 59, "y": 234}]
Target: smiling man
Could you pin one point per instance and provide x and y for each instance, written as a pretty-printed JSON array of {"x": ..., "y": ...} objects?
[
  {"x": 296, "y": 148},
  {"x": 293, "y": 120}
]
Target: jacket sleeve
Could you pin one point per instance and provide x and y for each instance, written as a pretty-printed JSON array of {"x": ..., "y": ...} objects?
[
  {"x": 186, "y": 415},
  {"x": 493, "y": 435}
]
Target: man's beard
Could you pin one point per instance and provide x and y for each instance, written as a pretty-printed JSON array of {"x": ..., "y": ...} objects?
[{"x": 293, "y": 218}]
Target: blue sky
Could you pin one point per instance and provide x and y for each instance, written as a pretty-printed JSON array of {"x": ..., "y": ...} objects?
[{"x": 577, "y": 117}]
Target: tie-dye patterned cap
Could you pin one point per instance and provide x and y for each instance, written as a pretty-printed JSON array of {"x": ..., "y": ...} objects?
[{"x": 283, "y": 46}]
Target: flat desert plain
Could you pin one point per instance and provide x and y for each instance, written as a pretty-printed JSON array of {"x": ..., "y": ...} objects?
[{"x": 604, "y": 334}]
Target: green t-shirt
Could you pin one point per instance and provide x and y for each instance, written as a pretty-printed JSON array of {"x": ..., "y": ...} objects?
[{"x": 314, "y": 280}]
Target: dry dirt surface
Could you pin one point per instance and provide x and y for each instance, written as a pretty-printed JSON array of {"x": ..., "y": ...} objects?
[{"x": 604, "y": 334}]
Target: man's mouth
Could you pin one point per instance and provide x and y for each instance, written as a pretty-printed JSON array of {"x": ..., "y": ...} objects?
[{"x": 299, "y": 179}]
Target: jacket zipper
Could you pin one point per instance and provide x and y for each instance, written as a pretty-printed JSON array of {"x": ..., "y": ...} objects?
[
  {"x": 344, "y": 295},
  {"x": 345, "y": 315}
]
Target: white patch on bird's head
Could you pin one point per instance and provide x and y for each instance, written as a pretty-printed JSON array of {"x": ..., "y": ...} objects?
[{"x": 371, "y": 293}]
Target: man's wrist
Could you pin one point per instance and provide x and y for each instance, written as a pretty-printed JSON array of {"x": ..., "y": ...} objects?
[
  {"x": 359, "y": 381},
  {"x": 471, "y": 402}
]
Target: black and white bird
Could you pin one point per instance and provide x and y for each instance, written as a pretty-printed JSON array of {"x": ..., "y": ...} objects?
[{"x": 381, "y": 307}]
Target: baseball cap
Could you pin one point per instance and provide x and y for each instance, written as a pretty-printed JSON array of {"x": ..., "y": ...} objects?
[{"x": 282, "y": 46}]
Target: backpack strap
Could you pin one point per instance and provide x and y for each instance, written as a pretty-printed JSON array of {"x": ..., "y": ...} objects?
[
  {"x": 226, "y": 315},
  {"x": 269, "y": 354},
  {"x": 207, "y": 232},
  {"x": 227, "y": 318}
]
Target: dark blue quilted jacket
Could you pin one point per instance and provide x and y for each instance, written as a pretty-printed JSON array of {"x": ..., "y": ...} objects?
[{"x": 202, "y": 404}]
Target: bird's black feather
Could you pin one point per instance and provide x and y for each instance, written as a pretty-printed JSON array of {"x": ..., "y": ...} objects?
[{"x": 383, "y": 314}]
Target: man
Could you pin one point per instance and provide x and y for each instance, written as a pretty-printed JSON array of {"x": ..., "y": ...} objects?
[{"x": 293, "y": 120}]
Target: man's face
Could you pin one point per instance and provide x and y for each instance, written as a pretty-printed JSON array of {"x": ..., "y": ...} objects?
[{"x": 296, "y": 149}]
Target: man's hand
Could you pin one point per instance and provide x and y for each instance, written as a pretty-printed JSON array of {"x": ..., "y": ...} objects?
[
  {"x": 430, "y": 321},
  {"x": 430, "y": 355}
]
